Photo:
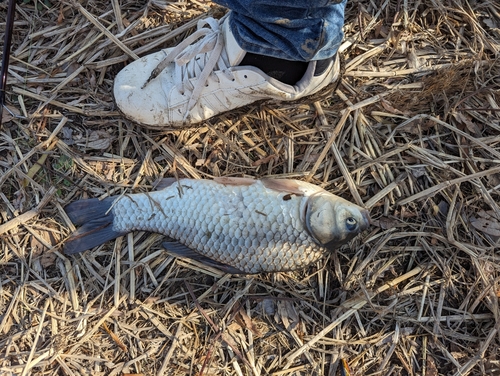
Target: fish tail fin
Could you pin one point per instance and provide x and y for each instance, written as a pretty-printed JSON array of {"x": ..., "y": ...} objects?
[{"x": 96, "y": 220}]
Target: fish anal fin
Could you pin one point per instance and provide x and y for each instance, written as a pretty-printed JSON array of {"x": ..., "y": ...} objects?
[{"x": 180, "y": 250}]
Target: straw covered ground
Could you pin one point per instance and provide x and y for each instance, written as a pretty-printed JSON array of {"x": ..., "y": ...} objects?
[{"x": 412, "y": 133}]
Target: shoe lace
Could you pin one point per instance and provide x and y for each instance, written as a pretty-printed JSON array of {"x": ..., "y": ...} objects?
[{"x": 197, "y": 56}]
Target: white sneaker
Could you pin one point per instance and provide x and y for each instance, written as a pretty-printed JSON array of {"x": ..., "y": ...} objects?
[{"x": 200, "y": 78}]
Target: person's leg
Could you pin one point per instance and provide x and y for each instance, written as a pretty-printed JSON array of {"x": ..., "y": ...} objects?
[
  {"x": 297, "y": 30},
  {"x": 249, "y": 55}
]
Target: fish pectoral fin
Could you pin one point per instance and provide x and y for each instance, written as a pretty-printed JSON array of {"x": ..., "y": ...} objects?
[
  {"x": 180, "y": 250},
  {"x": 282, "y": 185},
  {"x": 234, "y": 181},
  {"x": 294, "y": 187}
]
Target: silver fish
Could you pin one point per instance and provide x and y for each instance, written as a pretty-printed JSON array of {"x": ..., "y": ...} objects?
[{"x": 238, "y": 225}]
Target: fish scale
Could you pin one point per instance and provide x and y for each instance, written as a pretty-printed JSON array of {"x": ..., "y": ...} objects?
[
  {"x": 238, "y": 225},
  {"x": 223, "y": 222}
]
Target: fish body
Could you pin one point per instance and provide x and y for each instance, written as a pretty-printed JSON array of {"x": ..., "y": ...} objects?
[{"x": 239, "y": 225}]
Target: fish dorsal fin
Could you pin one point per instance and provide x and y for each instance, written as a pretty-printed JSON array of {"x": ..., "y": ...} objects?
[
  {"x": 180, "y": 250},
  {"x": 234, "y": 181},
  {"x": 165, "y": 183}
]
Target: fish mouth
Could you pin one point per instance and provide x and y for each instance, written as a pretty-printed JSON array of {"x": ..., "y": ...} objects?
[{"x": 367, "y": 221}]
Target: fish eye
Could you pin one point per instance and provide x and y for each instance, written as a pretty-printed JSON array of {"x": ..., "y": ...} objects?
[{"x": 351, "y": 224}]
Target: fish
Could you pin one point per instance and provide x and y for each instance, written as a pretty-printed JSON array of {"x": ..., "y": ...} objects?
[{"x": 237, "y": 225}]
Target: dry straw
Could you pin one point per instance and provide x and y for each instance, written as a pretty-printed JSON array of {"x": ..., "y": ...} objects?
[{"x": 412, "y": 132}]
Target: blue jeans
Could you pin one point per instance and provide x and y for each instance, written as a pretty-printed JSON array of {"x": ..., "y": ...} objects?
[{"x": 299, "y": 30}]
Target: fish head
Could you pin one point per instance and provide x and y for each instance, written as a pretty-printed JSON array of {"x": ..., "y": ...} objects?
[{"x": 333, "y": 221}]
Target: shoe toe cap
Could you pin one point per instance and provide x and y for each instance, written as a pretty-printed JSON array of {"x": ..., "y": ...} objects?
[{"x": 144, "y": 104}]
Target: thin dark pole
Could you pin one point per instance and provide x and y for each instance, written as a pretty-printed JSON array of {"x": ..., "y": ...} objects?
[{"x": 6, "y": 52}]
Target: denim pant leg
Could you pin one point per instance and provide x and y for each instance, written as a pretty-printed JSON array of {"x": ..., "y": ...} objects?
[{"x": 299, "y": 30}]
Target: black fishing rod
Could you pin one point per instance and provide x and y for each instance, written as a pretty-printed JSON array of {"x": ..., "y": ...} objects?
[{"x": 6, "y": 53}]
